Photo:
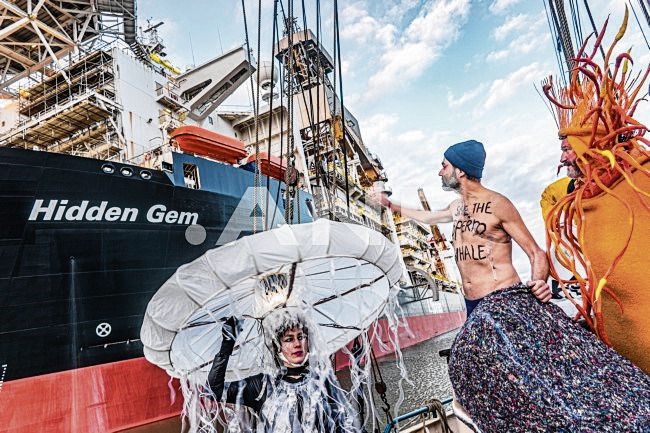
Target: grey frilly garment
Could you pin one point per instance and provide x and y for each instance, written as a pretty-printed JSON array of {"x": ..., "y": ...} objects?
[
  {"x": 306, "y": 406},
  {"x": 518, "y": 365}
]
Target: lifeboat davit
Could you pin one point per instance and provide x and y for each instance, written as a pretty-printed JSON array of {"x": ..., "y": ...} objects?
[
  {"x": 273, "y": 167},
  {"x": 200, "y": 141}
]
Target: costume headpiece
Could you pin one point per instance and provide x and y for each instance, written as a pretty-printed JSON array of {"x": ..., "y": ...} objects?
[{"x": 595, "y": 115}]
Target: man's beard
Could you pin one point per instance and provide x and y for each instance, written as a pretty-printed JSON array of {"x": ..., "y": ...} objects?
[
  {"x": 572, "y": 170},
  {"x": 451, "y": 184}
]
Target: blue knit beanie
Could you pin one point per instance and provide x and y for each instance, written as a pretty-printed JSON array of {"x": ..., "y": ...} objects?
[{"x": 469, "y": 156}]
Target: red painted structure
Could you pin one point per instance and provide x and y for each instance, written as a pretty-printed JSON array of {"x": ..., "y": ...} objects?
[
  {"x": 136, "y": 396},
  {"x": 103, "y": 398},
  {"x": 420, "y": 328},
  {"x": 273, "y": 166},
  {"x": 199, "y": 141}
]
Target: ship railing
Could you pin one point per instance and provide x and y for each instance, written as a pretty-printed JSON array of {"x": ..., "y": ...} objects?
[
  {"x": 169, "y": 95},
  {"x": 424, "y": 410}
]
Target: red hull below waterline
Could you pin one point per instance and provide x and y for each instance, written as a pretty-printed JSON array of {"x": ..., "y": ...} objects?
[
  {"x": 103, "y": 398},
  {"x": 135, "y": 396},
  {"x": 420, "y": 328}
]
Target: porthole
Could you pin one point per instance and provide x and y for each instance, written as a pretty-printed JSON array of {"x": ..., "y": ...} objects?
[
  {"x": 126, "y": 171},
  {"x": 108, "y": 168},
  {"x": 145, "y": 174}
]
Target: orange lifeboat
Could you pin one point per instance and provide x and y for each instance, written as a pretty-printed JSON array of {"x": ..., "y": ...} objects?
[
  {"x": 200, "y": 141},
  {"x": 273, "y": 167}
]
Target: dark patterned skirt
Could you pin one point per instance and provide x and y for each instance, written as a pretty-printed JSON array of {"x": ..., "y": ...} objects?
[{"x": 518, "y": 365}]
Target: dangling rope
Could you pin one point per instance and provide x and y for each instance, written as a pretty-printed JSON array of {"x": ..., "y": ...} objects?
[
  {"x": 380, "y": 385},
  {"x": 313, "y": 121},
  {"x": 559, "y": 17},
  {"x": 593, "y": 24},
  {"x": 255, "y": 99},
  {"x": 309, "y": 76},
  {"x": 575, "y": 20},
  {"x": 639, "y": 23},
  {"x": 268, "y": 148},
  {"x": 316, "y": 136},
  {"x": 257, "y": 181},
  {"x": 288, "y": 210},
  {"x": 281, "y": 121},
  {"x": 556, "y": 50},
  {"x": 337, "y": 49},
  {"x": 645, "y": 11}
]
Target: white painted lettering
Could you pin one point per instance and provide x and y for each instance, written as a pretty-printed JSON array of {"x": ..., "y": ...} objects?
[
  {"x": 85, "y": 210},
  {"x": 76, "y": 213},
  {"x": 60, "y": 210},
  {"x": 38, "y": 208},
  {"x": 188, "y": 218},
  {"x": 113, "y": 214},
  {"x": 171, "y": 217},
  {"x": 130, "y": 214},
  {"x": 96, "y": 213},
  {"x": 156, "y": 213}
]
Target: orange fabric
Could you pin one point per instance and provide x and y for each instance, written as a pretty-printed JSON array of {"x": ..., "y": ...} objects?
[
  {"x": 606, "y": 229},
  {"x": 595, "y": 115},
  {"x": 553, "y": 193}
]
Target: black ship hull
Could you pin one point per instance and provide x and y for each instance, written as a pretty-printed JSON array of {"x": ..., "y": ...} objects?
[{"x": 84, "y": 245}]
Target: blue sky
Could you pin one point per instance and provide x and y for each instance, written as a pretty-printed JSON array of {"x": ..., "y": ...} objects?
[{"x": 421, "y": 75}]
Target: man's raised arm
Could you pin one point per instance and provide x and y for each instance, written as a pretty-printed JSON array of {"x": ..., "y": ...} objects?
[{"x": 423, "y": 216}]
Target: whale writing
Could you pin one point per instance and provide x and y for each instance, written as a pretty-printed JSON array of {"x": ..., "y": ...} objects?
[{"x": 475, "y": 226}]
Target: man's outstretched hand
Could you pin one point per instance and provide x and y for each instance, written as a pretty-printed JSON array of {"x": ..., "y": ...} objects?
[{"x": 540, "y": 289}]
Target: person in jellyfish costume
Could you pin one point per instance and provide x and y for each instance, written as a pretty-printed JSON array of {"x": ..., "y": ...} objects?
[{"x": 300, "y": 392}]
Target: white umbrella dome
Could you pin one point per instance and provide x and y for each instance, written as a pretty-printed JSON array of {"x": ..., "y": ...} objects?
[{"x": 339, "y": 274}]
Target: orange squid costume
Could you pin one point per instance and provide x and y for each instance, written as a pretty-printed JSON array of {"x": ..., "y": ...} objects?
[{"x": 600, "y": 231}]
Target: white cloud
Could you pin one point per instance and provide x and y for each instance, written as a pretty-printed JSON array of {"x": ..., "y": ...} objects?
[
  {"x": 454, "y": 102},
  {"x": 511, "y": 23},
  {"x": 401, "y": 64},
  {"x": 500, "y": 6},
  {"x": 376, "y": 128},
  {"x": 418, "y": 159},
  {"x": 532, "y": 37},
  {"x": 396, "y": 9},
  {"x": 345, "y": 69},
  {"x": 504, "y": 88},
  {"x": 359, "y": 26},
  {"x": 177, "y": 43},
  {"x": 494, "y": 56},
  {"x": 412, "y": 136},
  {"x": 435, "y": 28}
]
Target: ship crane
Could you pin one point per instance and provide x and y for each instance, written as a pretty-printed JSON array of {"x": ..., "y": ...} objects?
[{"x": 340, "y": 165}]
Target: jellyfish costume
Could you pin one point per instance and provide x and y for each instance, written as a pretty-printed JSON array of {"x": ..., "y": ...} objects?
[{"x": 333, "y": 279}]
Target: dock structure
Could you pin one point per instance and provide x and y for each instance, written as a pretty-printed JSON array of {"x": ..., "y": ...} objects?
[{"x": 82, "y": 80}]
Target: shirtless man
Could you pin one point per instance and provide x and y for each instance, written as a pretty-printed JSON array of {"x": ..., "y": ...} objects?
[
  {"x": 519, "y": 365},
  {"x": 484, "y": 225}
]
